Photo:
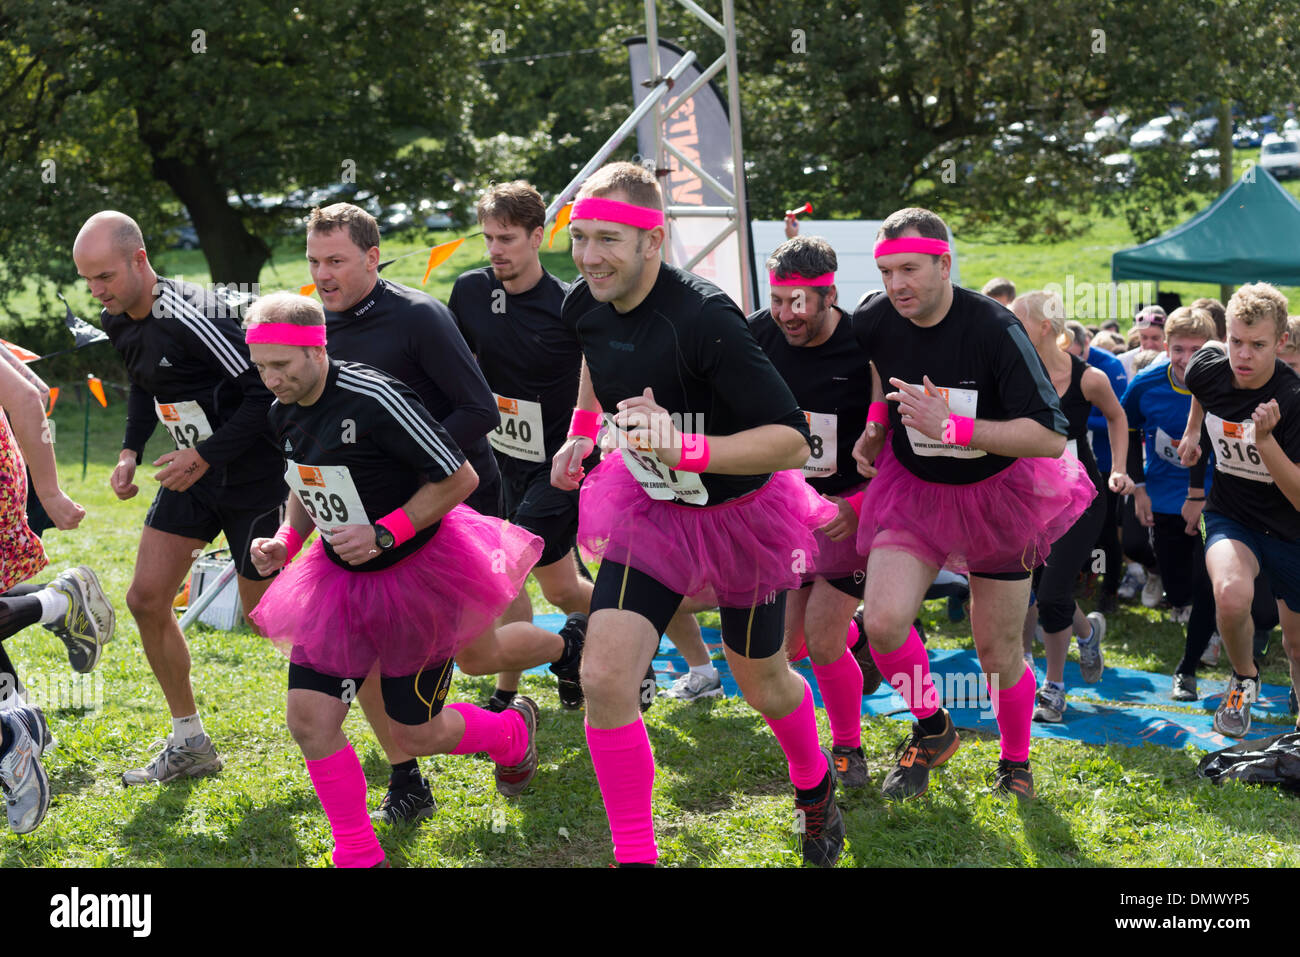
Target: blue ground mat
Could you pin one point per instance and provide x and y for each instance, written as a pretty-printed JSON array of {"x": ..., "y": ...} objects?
[{"x": 1126, "y": 707}]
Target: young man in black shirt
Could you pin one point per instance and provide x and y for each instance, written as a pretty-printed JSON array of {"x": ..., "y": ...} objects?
[
  {"x": 509, "y": 313},
  {"x": 412, "y": 337},
  {"x": 676, "y": 513},
  {"x": 972, "y": 481},
  {"x": 1246, "y": 402},
  {"x": 810, "y": 341},
  {"x": 400, "y": 580},
  {"x": 189, "y": 367}
]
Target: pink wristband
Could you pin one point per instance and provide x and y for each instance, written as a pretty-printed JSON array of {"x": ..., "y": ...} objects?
[
  {"x": 855, "y": 502},
  {"x": 961, "y": 429},
  {"x": 878, "y": 412},
  {"x": 584, "y": 423},
  {"x": 292, "y": 540},
  {"x": 695, "y": 454},
  {"x": 399, "y": 523}
]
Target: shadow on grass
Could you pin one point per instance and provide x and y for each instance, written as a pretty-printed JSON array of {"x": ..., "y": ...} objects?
[{"x": 159, "y": 832}]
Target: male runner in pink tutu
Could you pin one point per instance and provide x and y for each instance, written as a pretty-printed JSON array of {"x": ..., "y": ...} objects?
[
  {"x": 685, "y": 507},
  {"x": 403, "y": 576},
  {"x": 971, "y": 480},
  {"x": 810, "y": 341}
]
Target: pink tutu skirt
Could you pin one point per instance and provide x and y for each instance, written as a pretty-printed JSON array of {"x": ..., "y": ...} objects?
[
  {"x": 21, "y": 552},
  {"x": 734, "y": 554},
  {"x": 419, "y": 612},
  {"x": 837, "y": 559},
  {"x": 1006, "y": 523}
]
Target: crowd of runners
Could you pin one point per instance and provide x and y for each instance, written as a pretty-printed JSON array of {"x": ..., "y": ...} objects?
[{"x": 814, "y": 471}]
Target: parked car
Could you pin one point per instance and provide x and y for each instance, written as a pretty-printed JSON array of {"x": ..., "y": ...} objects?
[
  {"x": 1246, "y": 137},
  {"x": 1280, "y": 156},
  {"x": 1153, "y": 133},
  {"x": 1201, "y": 132}
]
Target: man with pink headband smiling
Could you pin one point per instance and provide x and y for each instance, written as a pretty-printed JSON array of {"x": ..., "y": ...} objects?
[
  {"x": 972, "y": 480},
  {"x": 687, "y": 505}
]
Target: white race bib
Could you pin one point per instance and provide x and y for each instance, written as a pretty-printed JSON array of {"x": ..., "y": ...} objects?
[
  {"x": 662, "y": 483},
  {"x": 184, "y": 422},
  {"x": 520, "y": 433},
  {"x": 1072, "y": 446},
  {"x": 822, "y": 430},
  {"x": 960, "y": 402},
  {"x": 1167, "y": 448},
  {"x": 1234, "y": 449},
  {"x": 328, "y": 494}
]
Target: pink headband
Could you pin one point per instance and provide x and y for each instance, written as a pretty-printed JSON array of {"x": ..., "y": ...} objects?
[
  {"x": 911, "y": 244},
  {"x": 794, "y": 279},
  {"x": 612, "y": 211},
  {"x": 285, "y": 334}
]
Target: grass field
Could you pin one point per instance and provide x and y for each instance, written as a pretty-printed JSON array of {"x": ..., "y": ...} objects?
[{"x": 721, "y": 793}]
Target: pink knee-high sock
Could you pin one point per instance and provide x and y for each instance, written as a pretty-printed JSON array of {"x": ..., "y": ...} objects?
[
  {"x": 503, "y": 736},
  {"x": 797, "y": 735},
  {"x": 908, "y": 671},
  {"x": 341, "y": 786},
  {"x": 625, "y": 772},
  {"x": 1015, "y": 716},
  {"x": 841, "y": 687}
]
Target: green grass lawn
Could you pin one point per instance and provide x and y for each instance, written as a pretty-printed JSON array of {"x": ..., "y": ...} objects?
[{"x": 722, "y": 797}]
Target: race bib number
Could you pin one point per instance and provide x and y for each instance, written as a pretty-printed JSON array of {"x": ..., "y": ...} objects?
[
  {"x": 1234, "y": 449},
  {"x": 823, "y": 438},
  {"x": 960, "y": 402},
  {"x": 1167, "y": 447},
  {"x": 1072, "y": 446},
  {"x": 184, "y": 421},
  {"x": 662, "y": 483},
  {"x": 520, "y": 433},
  {"x": 328, "y": 494}
]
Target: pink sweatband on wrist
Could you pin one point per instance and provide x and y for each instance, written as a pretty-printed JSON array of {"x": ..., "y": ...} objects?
[
  {"x": 963, "y": 428},
  {"x": 292, "y": 540},
  {"x": 855, "y": 502},
  {"x": 584, "y": 423},
  {"x": 695, "y": 454},
  {"x": 794, "y": 279},
  {"x": 612, "y": 211},
  {"x": 878, "y": 412},
  {"x": 911, "y": 244},
  {"x": 285, "y": 334},
  {"x": 399, "y": 523}
]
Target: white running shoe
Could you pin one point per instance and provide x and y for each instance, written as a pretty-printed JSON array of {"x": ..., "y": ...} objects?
[
  {"x": 1153, "y": 591},
  {"x": 692, "y": 687}
]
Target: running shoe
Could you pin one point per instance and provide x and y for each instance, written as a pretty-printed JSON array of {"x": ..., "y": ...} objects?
[
  {"x": 1232, "y": 720},
  {"x": 850, "y": 767},
  {"x": 1210, "y": 656},
  {"x": 1179, "y": 614},
  {"x": 1049, "y": 704},
  {"x": 499, "y": 701},
  {"x": 821, "y": 826},
  {"x": 916, "y": 757},
  {"x": 409, "y": 800},
  {"x": 693, "y": 687},
  {"x": 88, "y": 624},
  {"x": 871, "y": 676},
  {"x": 512, "y": 779},
  {"x": 1013, "y": 778},
  {"x": 1131, "y": 583},
  {"x": 195, "y": 758},
  {"x": 1091, "y": 661},
  {"x": 23, "y": 780},
  {"x": 1153, "y": 590},
  {"x": 1184, "y": 688},
  {"x": 568, "y": 670},
  {"x": 649, "y": 688}
]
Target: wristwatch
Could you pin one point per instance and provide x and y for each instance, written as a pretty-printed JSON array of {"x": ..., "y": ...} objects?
[{"x": 383, "y": 538}]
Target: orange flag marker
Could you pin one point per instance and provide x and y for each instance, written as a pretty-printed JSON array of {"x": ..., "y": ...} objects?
[
  {"x": 21, "y": 354},
  {"x": 54, "y": 397},
  {"x": 96, "y": 388},
  {"x": 439, "y": 255},
  {"x": 561, "y": 220},
  {"x": 307, "y": 290}
]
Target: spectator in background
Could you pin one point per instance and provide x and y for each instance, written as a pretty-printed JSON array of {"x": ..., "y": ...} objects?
[
  {"x": 1217, "y": 313},
  {"x": 1150, "y": 329},
  {"x": 1288, "y": 350},
  {"x": 1110, "y": 325},
  {"x": 1000, "y": 289},
  {"x": 1108, "y": 341}
]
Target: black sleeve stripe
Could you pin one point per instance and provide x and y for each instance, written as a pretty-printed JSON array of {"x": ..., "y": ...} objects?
[
  {"x": 189, "y": 315},
  {"x": 400, "y": 409}
]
